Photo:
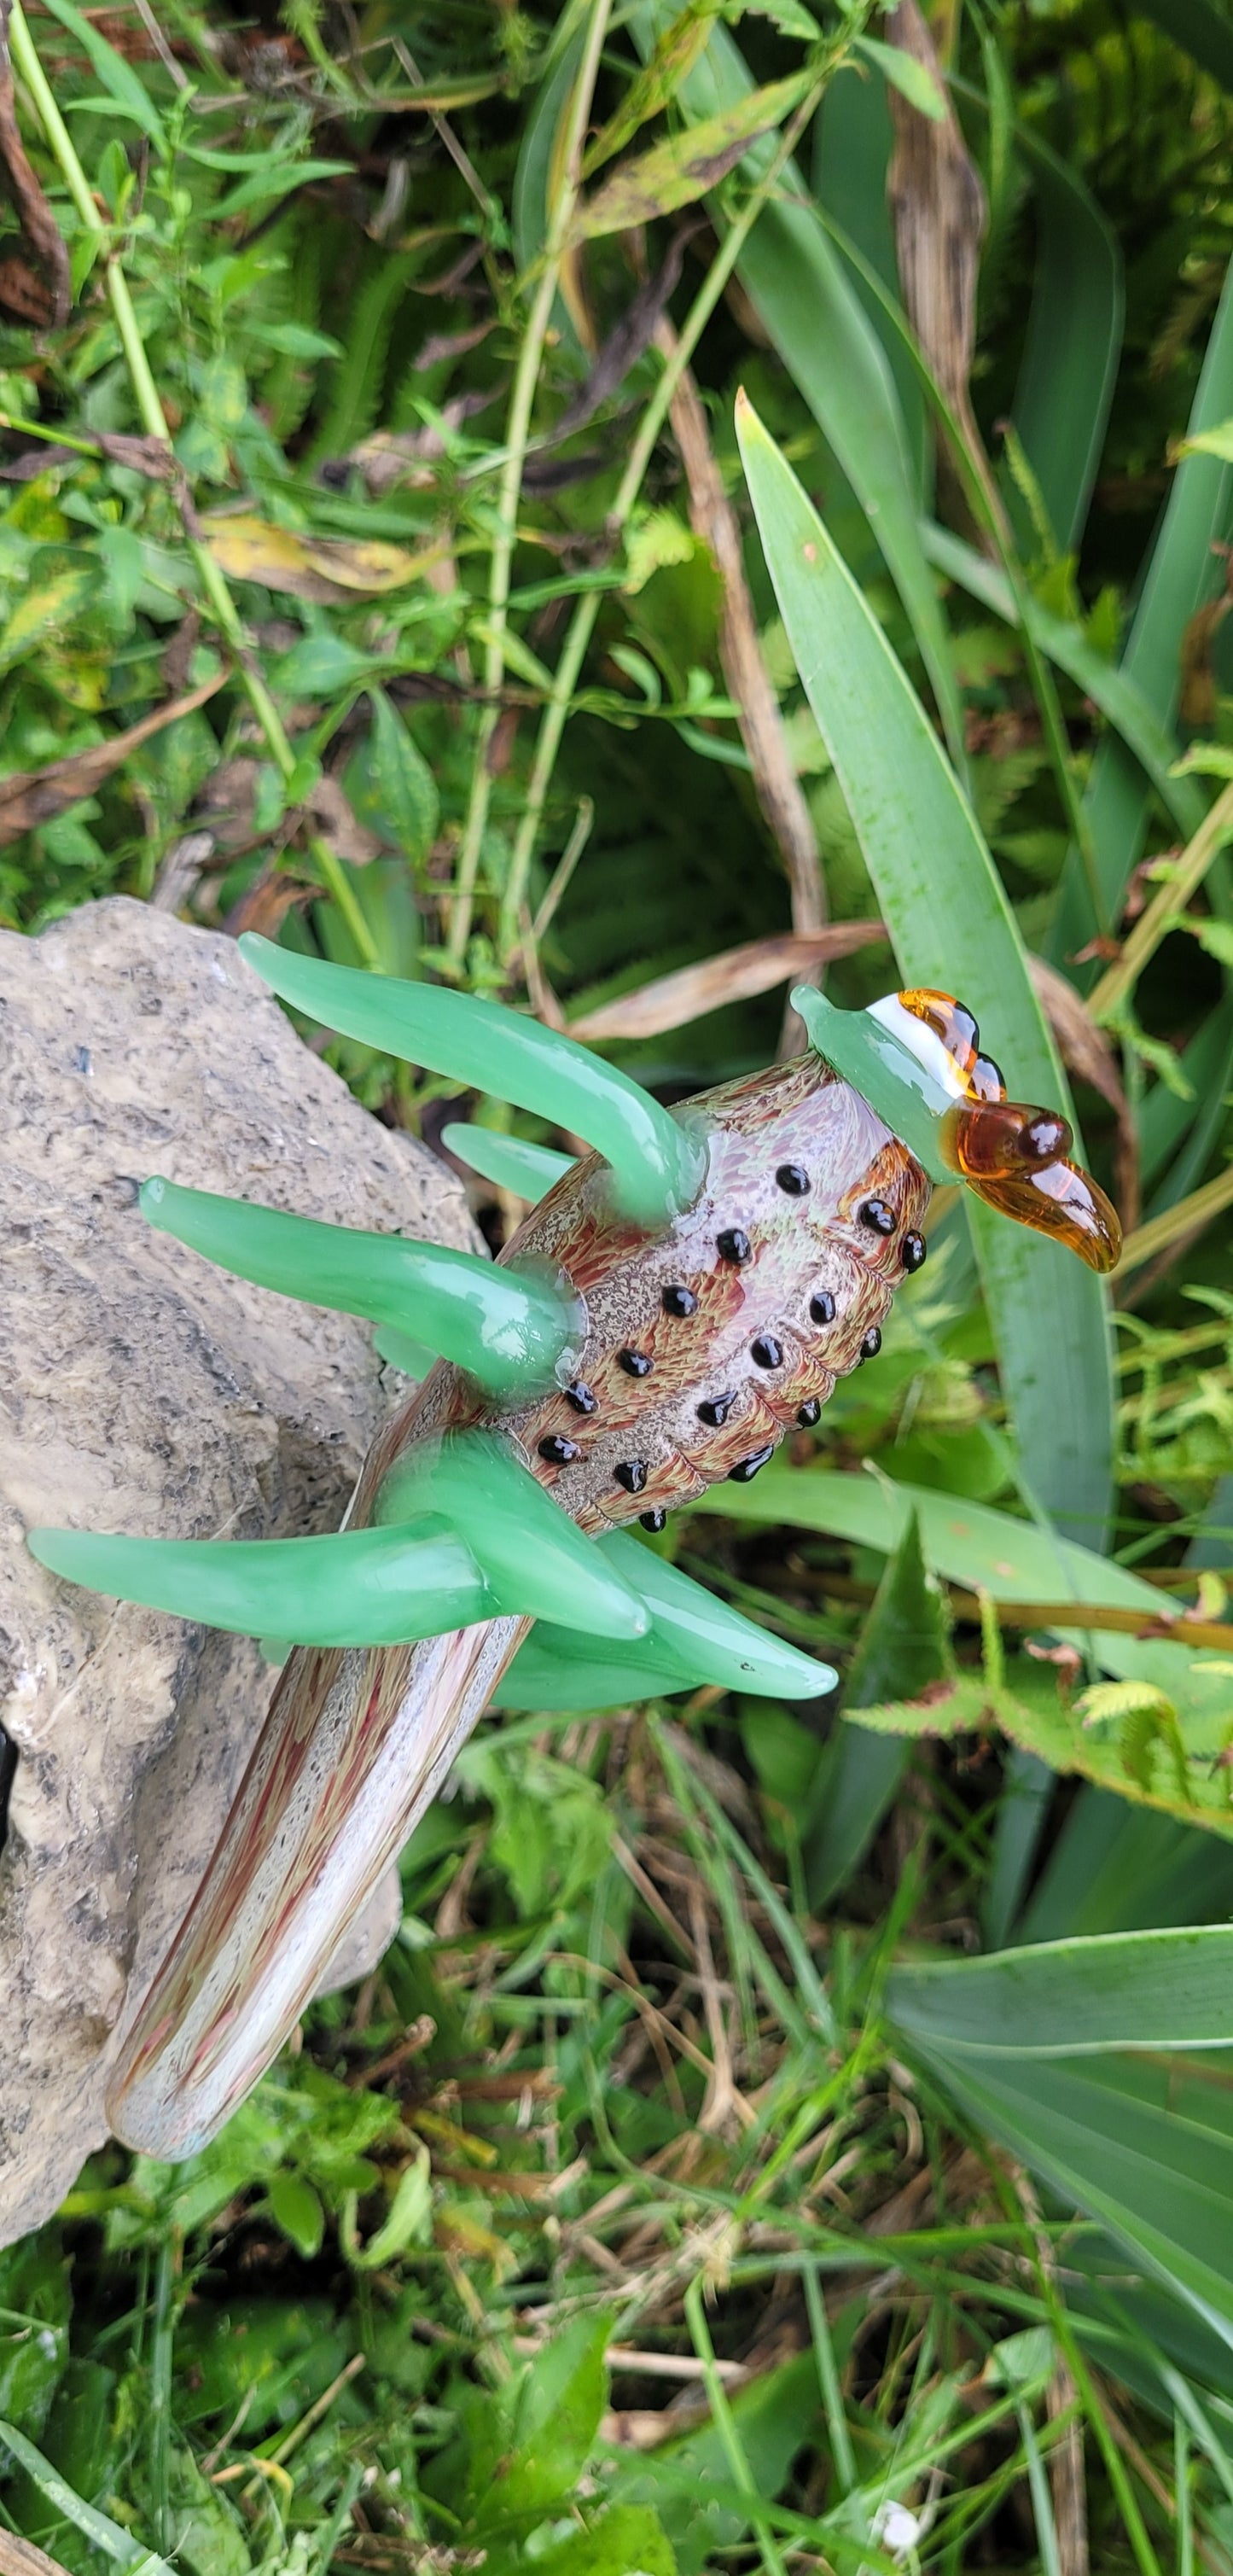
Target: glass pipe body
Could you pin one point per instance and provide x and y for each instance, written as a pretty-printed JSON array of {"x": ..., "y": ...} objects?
[{"x": 701, "y": 1332}]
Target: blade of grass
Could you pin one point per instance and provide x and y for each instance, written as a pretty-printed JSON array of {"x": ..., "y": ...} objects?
[
  {"x": 797, "y": 283},
  {"x": 1107, "y": 684},
  {"x": 1206, "y": 1067},
  {"x": 985, "y": 503},
  {"x": 582, "y": 624},
  {"x": 98, "y": 2528},
  {"x": 726, "y": 2427},
  {"x": 1090, "y": 2059},
  {"x": 517, "y": 434},
  {"x": 987, "y": 1551},
  {"x": 330, "y": 867},
  {"x": 853, "y": 138},
  {"x": 1074, "y": 336},
  {"x": 952, "y": 926},
  {"x": 1184, "y": 1217},
  {"x": 1182, "y": 572}
]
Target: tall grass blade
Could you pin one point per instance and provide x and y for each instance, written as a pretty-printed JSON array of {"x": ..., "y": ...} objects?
[
  {"x": 1106, "y": 2066},
  {"x": 796, "y": 280},
  {"x": 1073, "y": 344},
  {"x": 1182, "y": 573},
  {"x": 985, "y": 1550},
  {"x": 952, "y": 926},
  {"x": 1108, "y": 684}
]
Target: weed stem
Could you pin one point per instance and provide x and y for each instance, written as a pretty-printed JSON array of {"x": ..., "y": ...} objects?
[{"x": 154, "y": 421}]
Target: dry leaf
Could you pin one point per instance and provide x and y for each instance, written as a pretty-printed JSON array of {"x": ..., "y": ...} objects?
[
  {"x": 937, "y": 206},
  {"x": 26, "y": 297},
  {"x": 685, "y": 165},
  {"x": 340, "y": 826},
  {"x": 735, "y": 976},
  {"x": 33, "y": 213},
  {"x": 325, "y": 569},
  {"x": 32, "y": 796}
]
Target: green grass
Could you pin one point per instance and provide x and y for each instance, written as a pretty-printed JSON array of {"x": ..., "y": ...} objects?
[{"x": 774, "y": 2140}]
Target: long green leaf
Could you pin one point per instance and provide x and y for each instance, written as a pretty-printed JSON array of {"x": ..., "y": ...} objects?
[
  {"x": 1206, "y": 1066},
  {"x": 853, "y": 138},
  {"x": 901, "y": 1650},
  {"x": 796, "y": 280},
  {"x": 1182, "y": 573},
  {"x": 1108, "y": 684},
  {"x": 117, "y": 76},
  {"x": 952, "y": 927},
  {"x": 1081, "y": 2056},
  {"x": 1073, "y": 343},
  {"x": 986, "y": 1550}
]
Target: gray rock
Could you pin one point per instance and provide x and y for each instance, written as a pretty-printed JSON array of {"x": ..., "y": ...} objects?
[{"x": 142, "y": 1390}]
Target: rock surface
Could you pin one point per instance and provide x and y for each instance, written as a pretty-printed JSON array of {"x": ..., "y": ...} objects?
[{"x": 142, "y": 1390}]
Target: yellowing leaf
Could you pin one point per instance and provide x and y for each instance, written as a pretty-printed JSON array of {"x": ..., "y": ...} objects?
[
  {"x": 681, "y": 169},
  {"x": 44, "y": 609},
  {"x": 326, "y": 569}
]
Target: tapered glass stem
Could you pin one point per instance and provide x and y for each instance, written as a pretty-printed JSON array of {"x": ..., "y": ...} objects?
[
  {"x": 507, "y": 1330},
  {"x": 658, "y": 1164}
]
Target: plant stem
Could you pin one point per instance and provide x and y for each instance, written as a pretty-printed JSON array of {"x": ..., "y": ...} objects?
[
  {"x": 726, "y": 2427},
  {"x": 565, "y": 680},
  {"x": 154, "y": 422},
  {"x": 1172, "y": 897},
  {"x": 518, "y": 428}
]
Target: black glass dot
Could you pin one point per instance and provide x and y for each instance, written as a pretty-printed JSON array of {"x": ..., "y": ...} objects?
[
  {"x": 766, "y": 1352},
  {"x": 809, "y": 1412},
  {"x": 878, "y": 1215},
  {"x": 792, "y": 1179},
  {"x": 716, "y": 1410},
  {"x": 733, "y": 1245},
  {"x": 654, "y": 1521},
  {"x": 679, "y": 1301},
  {"x": 749, "y": 1467},
  {"x": 635, "y": 1363},
  {"x": 559, "y": 1452},
  {"x": 632, "y": 1474},
  {"x": 583, "y": 1398},
  {"x": 912, "y": 1251},
  {"x": 822, "y": 1307},
  {"x": 872, "y": 1343}
]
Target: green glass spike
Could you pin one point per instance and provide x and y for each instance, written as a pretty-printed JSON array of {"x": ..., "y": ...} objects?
[
  {"x": 413, "y": 1358},
  {"x": 902, "y": 1091},
  {"x": 507, "y": 1329},
  {"x": 712, "y": 1643},
  {"x": 558, "y": 1669},
  {"x": 694, "y": 1638},
  {"x": 535, "y": 1560},
  {"x": 369, "y": 1587},
  {"x": 658, "y": 1163},
  {"x": 507, "y": 1161}
]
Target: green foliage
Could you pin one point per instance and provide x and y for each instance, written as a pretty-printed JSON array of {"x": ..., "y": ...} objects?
[{"x": 651, "y": 2207}]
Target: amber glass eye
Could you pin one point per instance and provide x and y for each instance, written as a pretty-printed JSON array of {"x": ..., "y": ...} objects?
[{"x": 996, "y": 1139}]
